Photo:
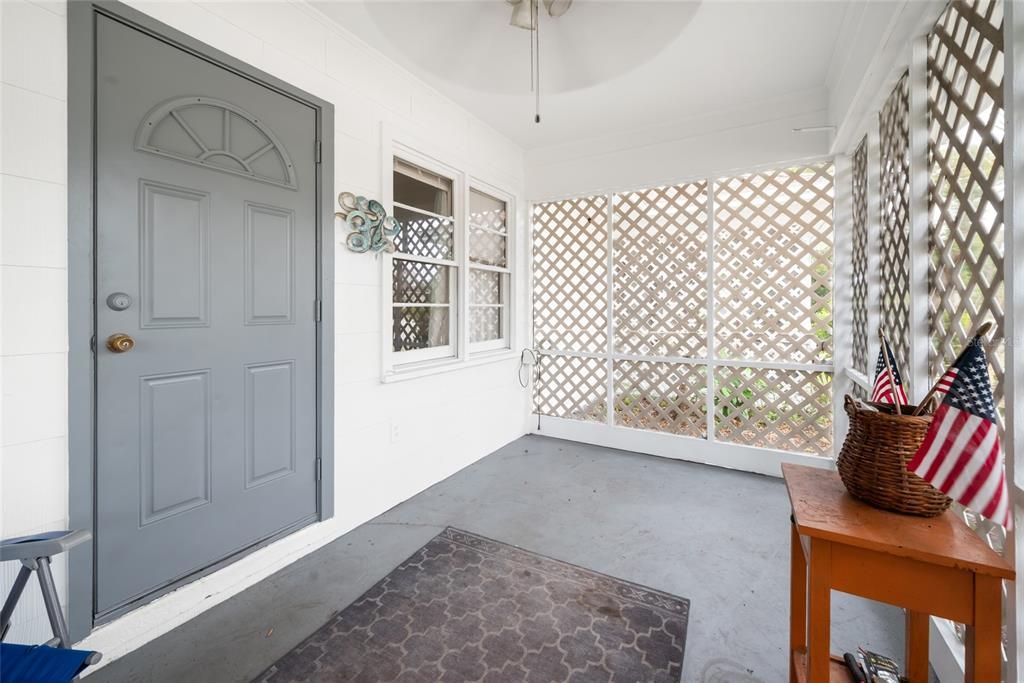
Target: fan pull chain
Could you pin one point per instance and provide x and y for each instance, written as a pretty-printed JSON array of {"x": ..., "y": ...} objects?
[
  {"x": 536, "y": 116},
  {"x": 533, "y": 22}
]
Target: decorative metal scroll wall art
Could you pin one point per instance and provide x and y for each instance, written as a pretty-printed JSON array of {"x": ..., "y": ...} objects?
[{"x": 372, "y": 229}]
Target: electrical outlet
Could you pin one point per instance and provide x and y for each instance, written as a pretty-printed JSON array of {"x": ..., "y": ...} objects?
[{"x": 396, "y": 433}]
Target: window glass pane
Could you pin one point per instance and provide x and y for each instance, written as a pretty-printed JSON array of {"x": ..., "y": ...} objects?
[
  {"x": 419, "y": 327},
  {"x": 423, "y": 235},
  {"x": 413, "y": 282},
  {"x": 485, "y": 287},
  {"x": 487, "y": 212},
  {"x": 418, "y": 187},
  {"x": 487, "y": 248},
  {"x": 485, "y": 323}
]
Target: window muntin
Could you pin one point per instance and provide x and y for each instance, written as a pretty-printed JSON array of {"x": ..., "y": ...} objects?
[{"x": 425, "y": 270}]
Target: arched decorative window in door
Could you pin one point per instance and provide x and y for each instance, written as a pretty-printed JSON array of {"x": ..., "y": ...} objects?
[{"x": 216, "y": 134}]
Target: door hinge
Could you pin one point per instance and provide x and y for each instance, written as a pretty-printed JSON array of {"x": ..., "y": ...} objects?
[
  {"x": 319, "y": 152},
  {"x": 319, "y": 469},
  {"x": 318, "y": 310}
]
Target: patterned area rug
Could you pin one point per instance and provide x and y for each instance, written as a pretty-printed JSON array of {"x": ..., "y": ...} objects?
[{"x": 466, "y": 608}]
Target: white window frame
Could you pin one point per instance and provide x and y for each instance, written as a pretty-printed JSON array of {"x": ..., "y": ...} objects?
[
  {"x": 455, "y": 289},
  {"x": 507, "y": 287},
  {"x": 459, "y": 353}
]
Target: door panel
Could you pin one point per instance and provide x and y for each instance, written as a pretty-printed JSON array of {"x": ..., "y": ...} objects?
[
  {"x": 174, "y": 288},
  {"x": 269, "y": 270},
  {"x": 270, "y": 422},
  {"x": 174, "y": 444},
  {"x": 206, "y": 220}
]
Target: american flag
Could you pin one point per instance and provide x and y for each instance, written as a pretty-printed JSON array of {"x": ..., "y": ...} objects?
[
  {"x": 961, "y": 455},
  {"x": 886, "y": 391}
]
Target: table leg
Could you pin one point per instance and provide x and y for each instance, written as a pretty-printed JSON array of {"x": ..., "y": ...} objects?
[
  {"x": 797, "y": 598},
  {"x": 983, "y": 642},
  {"x": 819, "y": 596},
  {"x": 917, "y": 647}
]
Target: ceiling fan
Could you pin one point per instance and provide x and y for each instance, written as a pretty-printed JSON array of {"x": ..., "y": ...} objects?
[
  {"x": 526, "y": 15},
  {"x": 525, "y": 12}
]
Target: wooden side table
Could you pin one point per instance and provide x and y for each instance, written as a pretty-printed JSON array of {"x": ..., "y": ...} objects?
[{"x": 930, "y": 566}]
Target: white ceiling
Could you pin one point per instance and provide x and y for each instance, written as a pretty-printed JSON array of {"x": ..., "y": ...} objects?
[{"x": 606, "y": 65}]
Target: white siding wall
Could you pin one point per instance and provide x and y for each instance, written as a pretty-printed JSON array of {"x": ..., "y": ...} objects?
[
  {"x": 392, "y": 440},
  {"x": 33, "y": 287}
]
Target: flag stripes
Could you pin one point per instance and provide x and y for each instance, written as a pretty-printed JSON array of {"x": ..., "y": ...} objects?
[
  {"x": 888, "y": 387},
  {"x": 961, "y": 454}
]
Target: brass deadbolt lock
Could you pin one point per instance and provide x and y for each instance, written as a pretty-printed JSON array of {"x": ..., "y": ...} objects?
[{"x": 120, "y": 342}]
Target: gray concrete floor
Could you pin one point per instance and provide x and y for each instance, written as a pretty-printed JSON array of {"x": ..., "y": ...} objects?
[{"x": 717, "y": 537}]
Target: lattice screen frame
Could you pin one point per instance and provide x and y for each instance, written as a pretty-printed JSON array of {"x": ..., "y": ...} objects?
[
  {"x": 860, "y": 344},
  {"x": 966, "y": 231},
  {"x": 570, "y": 281},
  {"x": 894, "y": 198},
  {"x": 645, "y": 232},
  {"x": 661, "y": 279},
  {"x": 774, "y": 246}
]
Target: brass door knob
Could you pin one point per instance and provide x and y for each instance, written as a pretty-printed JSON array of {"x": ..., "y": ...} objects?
[{"x": 120, "y": 342}]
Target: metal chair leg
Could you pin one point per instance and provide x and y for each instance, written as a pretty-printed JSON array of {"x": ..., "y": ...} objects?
[
  {"x": 50, "y": 599},
  {"x": 12, "y": 600}
]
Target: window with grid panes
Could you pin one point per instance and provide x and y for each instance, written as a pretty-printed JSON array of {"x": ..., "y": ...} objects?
[
  {"x": 489, "y": 272},
  {"x": 425, "y": 270}
]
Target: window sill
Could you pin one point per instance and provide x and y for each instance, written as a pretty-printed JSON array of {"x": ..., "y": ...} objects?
[{"x": 428, "y": 368}]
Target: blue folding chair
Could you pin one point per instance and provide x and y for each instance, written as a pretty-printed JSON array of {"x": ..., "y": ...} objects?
[{"x": 54, "y": 661}]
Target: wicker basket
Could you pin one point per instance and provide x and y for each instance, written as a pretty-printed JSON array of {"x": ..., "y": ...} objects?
[{"x": 874, "y": 457}]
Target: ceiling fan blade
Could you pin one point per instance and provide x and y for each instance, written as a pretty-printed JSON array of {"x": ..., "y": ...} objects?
[
  {"x": 557, "y": 8},
  {"x": 522, "y": 14}
]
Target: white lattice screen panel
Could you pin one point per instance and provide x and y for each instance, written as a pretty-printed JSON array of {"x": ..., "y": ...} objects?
[
  {"x": 894, "y": 193},
  {"x": 773, "y": 306},
  {"x": 790, "y": 410},
  {"x": 773, "y": 265},
  {"x": 570, "y": 283},
  {"x": 859, "y": 256},
  {"x": 661, "y": 396},
  {"x": 660, "y": 279},
  {"x": 571, "y": 387},
  {"x": 965, "y": 197}
]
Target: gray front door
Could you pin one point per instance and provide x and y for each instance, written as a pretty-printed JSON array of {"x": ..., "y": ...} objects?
[{"x": 207, "y": 261}]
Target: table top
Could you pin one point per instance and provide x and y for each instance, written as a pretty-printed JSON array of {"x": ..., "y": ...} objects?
[{"x": 822, "y": 508}]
